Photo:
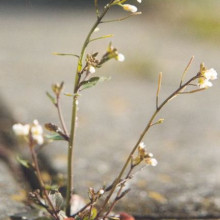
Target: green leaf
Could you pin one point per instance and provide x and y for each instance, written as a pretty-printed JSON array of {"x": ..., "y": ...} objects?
[
  {"x": 23, "y": 162},
  {"x": 52, "y": 99},
  {"x": 65, "y": 54},
  {"x": 51, "y": 187},
  {"x": 69, "y": 94},
  {"x": 93, "y": 215},
  {"x": 55, "y": 137},
  {"x": 92, "y": 82},
  {"x": 102, "y": 37}
]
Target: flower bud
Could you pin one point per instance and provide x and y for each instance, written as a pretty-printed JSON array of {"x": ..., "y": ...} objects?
[
  {"x": 91, "y": 69},
  {"x": 160, "y": 121},
  {"x": 101, "y": 192},
  {"x": 130, "y": 8}
]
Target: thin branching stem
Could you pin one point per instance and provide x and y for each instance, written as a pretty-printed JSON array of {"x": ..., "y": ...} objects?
[
  {"x": 158, "y": 89},
  {"x": 38, "y": 173},
  {"x": 175, "y": 93},
  {"x": 186, "y": 69},
  {"x": 118, "y": 193},
  {"x": 193, "y": 91},
  {"x": 60, "y": 114},
  {"x": 122, "y": 19}
]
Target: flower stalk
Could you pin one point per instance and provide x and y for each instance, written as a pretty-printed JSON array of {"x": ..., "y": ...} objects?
[
  {"x": 53, "y": 211},
  {"x": 149, "y": 124},
  {"x": 70, "y": 175}
]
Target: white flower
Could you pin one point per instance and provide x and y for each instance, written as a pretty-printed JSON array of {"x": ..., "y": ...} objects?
[
  {"x": 128, "y": 7},
  {"x": 37, "y": 132},
  {"x": 207, "y": 75},
  {"x": 91, "y": 69},
  {"x": 142, "y": 145},
  {"x": 151, "y": 161},
  {"x": 204, "y": 83},
  {"x": 120, "y": 57},
  {"x": 21, "y": 130},
  {"x": 139, "y": 1},
  {"x": 34, "y": 129},
  {"x": 210, "y": 74}
]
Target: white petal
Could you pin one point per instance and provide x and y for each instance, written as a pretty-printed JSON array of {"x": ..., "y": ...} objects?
[
  {"x": 35, "y": 122},
  {"x": 21, "y": 130},
  {"x": 153, "y": 162},
  {"x": 205, "y": 84},
  {"x": 120, "y": 57},
  {"x": 39, "y": 139},
  {"x": 211, "y": 74},
  {"x": 37, "y": 130}
]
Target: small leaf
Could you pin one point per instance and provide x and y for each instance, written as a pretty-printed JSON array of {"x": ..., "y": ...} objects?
[
  {"x": 51, "y": 127},
  {"x": 65, "y": 54},
  {"x": 92, "y": 82},
  {"x": 52, "y": 99},
  {"x": 68, "y": 94},
  {"x": 94, "y": 213},
  {"x": 57, "y": 200},
  {"x": 51, "y": 187},
  {"x": 71, "y": 94},
  {"x": 23, "y": 162},
  {"x": 55, "y": 137},
  {"x": 102, "y": 37}
]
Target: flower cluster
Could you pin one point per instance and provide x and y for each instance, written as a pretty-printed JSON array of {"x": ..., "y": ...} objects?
[
  {"x": 111, "y": 53},
  {"x": 205, "y": 76},
  {"x": 32, "y": 131},
  {"x": 57, "y": 88},
  {"x": 143, "y": 155},
  {"x": 91, "y": 63}
]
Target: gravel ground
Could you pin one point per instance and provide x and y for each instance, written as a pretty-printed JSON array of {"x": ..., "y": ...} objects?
[{"x": 112, "y": 116}]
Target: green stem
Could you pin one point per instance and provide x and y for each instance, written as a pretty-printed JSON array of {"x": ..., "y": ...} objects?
[
  {"x": 70, "y": 185},
  {"x": 176, "y": 92}
]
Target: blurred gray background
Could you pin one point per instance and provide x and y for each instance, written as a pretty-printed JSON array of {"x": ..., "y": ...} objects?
[{"x": 113, "y": 114}]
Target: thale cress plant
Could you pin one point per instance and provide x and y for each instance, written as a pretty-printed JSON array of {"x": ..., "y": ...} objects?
[{"x": 102, "y": 201}]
